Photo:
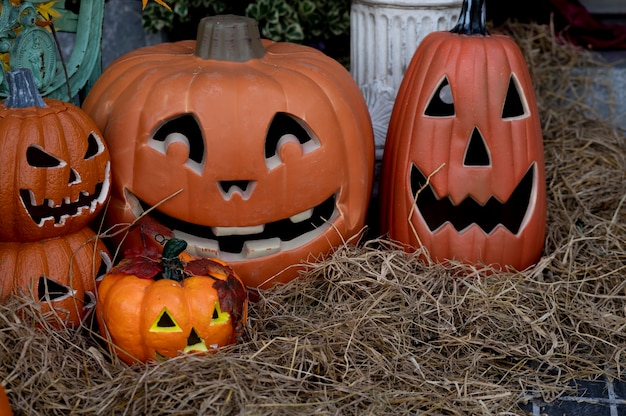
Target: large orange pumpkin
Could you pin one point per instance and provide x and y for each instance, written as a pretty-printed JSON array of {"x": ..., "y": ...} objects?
[
  {"x": 266, "y": 148},
  {"x": 153, "y": 307},
  {"x": 463, "y": 167},
  {"x": 59, "y": 273},
  {"x": 54, "y": 165}
]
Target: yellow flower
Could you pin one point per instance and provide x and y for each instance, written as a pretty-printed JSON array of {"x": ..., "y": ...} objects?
[
  {"x": 161, "y": 2},
  {"x": 47, "y": 12}
]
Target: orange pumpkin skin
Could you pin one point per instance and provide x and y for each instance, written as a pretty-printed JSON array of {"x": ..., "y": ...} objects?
[
  {"x": 211, "y": 309},
  {"x": 5, "y": 406},
  {"x": 60, "y": 273},
  {"x": 475, "y": 149},
  {"x": 55, "y": 169},
  {"x": 236, "y": 106}
]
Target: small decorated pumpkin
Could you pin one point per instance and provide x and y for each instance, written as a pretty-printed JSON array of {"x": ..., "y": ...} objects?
[
  {"x": 5, "y": 406},
  {"x": 59, "y": 273},
  {"x": 54, "y": 165},
  {"x": 463, "y": 168},
  {"x": 155, "y": 306},
  {"x": 256, "y": 152}
]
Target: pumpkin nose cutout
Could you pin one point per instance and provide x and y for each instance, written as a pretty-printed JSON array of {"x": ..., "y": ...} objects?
[
  {"x": 476, "y": 153},
  {"x": 229, "y": 188},
  {"x": 74, "y": 177}
]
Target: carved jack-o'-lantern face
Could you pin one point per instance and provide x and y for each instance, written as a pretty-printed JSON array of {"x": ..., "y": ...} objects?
[
  {"x": 268, "y": 159},
  {"x": 463, "y": 171},
  {"x": 153, "y": 307},
  {"x": 54, "y": 166}
]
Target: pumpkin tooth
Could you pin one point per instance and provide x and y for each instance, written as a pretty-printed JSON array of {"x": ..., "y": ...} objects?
[
  {"x": 302, "y": 216},
  {"x": 258, "y": 248},
  {"x": 224, "y": 231}
]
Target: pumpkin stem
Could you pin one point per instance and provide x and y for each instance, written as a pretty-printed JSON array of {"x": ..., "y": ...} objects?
[
  {"x": 23, "y": 92},
  {"x": 472, "y": 18},
  {"x": 173, "y": 268},
  {"x": 229, "y": 38}
]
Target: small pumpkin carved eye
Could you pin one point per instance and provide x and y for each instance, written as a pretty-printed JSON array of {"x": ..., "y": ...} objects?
[
  {"x": 219, "y": 317},
  {"x": 441, "y": 103},
  {"x": 515, "y": 106},
  {"x": 165, "y": 322},
  {"x": 285, "y": 129},
  {"x": 39, "y": 158},
  {"x": 182, "y": 130}
]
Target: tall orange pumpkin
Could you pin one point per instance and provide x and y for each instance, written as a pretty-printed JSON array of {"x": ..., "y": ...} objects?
[
  {"x": 54, "y": 166},
  {"x": 266, "y": 149},
  {"x": 463, "y": 167}
]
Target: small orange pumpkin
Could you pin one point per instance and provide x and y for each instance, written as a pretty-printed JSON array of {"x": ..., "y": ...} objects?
[
  {"x": 55, "y": 166},
  {"x": 5, "y": 406},
  {"x": 463, "y": 168},
  {"x": 153, "y": 307},
  {"x": 265, "y": 148},
  {"x": 60, "y": 273}
]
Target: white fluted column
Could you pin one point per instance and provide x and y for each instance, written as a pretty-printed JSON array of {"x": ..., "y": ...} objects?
[{"x": 383, "y": 37}]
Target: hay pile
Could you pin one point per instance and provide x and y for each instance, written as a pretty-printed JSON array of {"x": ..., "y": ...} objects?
[{"x": 371, "y": 331}]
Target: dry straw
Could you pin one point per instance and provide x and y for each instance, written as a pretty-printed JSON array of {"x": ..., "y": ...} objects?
[{"x": 372, "y": 331}]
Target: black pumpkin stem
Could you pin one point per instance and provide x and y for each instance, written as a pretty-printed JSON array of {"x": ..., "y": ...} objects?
[
  {"x": 173, "y": 268},
  {"x": 23, "y": 92},
  {"x": 472, "y": 18},
  {"x": 229, "y": 38}
]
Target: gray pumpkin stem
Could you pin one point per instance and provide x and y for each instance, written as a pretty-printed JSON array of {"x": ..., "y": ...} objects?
[
  {"x": 23, "y": 92},
  {"x": 229, "y": 38}
]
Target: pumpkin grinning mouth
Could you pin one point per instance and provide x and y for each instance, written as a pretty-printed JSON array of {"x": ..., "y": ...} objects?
[
  {"x": 59, "y": 213},
  {"x": 46, "y": 211},
  {"x": 241, "y": 243},
  {"x": 437, "y": 211}
]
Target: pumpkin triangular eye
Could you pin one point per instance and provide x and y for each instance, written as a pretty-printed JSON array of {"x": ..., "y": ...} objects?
[
  {"x": 165, "y": 322},
  {"x": 219, "y": 317},
  {"x": 441, "y": 103},
  {"x": 514, "y": 103},
  {"x": 94, "y": 146},
  {"x": 49, "y": 289},
  {"x": 285, "y": 128},
  {"x": 39, "y": 158}
]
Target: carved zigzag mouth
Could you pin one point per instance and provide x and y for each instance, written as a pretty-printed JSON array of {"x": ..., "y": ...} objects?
[
  {"x": 437, "y": 211},
  {"x": 48, "y": 210},
  {"x": 241, "y": 243}
]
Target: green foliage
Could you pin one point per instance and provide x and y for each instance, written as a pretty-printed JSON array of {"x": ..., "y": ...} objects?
[
  {"x": 310, "y": 22},
  {"x": 156, "y": 17}
]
